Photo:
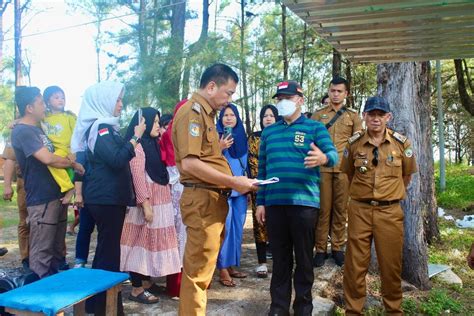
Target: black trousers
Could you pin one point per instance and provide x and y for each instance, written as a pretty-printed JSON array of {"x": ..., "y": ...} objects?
[
  {"x": 291, "y": 228},
  {"x": 109, "y": 220}
]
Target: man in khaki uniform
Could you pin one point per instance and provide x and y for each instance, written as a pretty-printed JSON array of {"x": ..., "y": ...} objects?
[
  {"x": 342, "y": 123},
  {"x": 379, "y": 163},
  {"x": 207, "y": 180},
  {"x": 9, "y": 169}
]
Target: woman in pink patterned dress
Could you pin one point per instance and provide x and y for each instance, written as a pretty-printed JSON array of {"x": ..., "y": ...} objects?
[{"x": 149, "y": 246}]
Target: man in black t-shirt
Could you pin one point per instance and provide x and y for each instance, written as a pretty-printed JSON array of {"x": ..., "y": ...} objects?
[{"x": 34, "y": 152}]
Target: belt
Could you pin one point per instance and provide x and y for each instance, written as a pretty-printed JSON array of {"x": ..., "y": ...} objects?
[
  {"x": 224, "y": 192},
  {"x": 378, "y": 203}
]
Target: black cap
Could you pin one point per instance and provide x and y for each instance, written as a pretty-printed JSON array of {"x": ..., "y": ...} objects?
[
  {"x": 376, "y": 103},
  {"x": 288, "y": 88}
]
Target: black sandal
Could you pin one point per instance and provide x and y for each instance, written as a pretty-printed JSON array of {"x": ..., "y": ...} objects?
[
  {"x": 156, "y": 289},
  {"x": 144, "y": 298}
]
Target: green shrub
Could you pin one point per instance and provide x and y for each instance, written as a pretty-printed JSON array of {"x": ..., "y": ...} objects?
[
  {"x": 409, "y": 306},
  {"x": 439, "y": 302}
]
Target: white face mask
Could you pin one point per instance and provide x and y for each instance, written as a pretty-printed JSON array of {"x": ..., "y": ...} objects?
[{"x": 286, "y": 107}]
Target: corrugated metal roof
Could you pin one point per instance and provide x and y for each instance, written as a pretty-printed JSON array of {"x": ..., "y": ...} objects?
[{"x": 389, "y": 30}]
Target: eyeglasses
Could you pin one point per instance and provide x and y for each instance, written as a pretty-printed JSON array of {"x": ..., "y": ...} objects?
[{"x": 375, "y": 161}]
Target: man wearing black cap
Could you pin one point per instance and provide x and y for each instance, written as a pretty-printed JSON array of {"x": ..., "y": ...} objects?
[
  {"x": 379, "y": 163},
  {"x": 292, "y": 150}
]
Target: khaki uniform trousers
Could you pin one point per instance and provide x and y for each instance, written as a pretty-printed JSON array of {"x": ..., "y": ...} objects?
[
  {"x": 204, "y": 213},
  {"x": 333, "y": 212},
  {"x": 384, "y": 225},
  {"x": 23, "y": 227}
]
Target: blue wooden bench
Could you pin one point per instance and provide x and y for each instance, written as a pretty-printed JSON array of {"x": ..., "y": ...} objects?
[{"x": 52, "y": 295}]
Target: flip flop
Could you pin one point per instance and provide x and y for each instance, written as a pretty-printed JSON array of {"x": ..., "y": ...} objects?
[
  {"x": 227, "y": 283},
  {"x": 238, "y": 275},
  {"x": 144, "y": 298}
]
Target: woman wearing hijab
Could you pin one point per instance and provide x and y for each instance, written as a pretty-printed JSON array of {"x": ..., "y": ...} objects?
[
  {"x": 149, "y": 247},
  {"x": 268, "y": 116},
  {"x": 236, "y": 155},
  {"x": 107, "y": 186},
  {"x": 173, "y": 281}
]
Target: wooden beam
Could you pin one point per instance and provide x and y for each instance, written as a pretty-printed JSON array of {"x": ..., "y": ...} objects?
[
  {"x": 395, "y": 27},
  {"x": 406, "y": 48},
  {"x": 386, "y": 42},
  {"x": 389, "y": 17},
  {"x": 400, "y": 58},
  {"x": 409, "y": 34},
  {"x": 341, "y": 9}
]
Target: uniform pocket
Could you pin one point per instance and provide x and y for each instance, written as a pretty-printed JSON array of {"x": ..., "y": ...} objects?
[{"x": 394, "y": 166}]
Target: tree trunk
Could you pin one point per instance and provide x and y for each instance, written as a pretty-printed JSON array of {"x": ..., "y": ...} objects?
[
  {"x": 18, "y": 73},
  {"x": 97, "y": 49},
  {"x": 243, "y": 67},
  {"x": 174, "y": 63},
  {"x": 195, "y": 47},
  {"x": 466, "y": 101},
  {"x": 336, "y": 63},
  {"x": 284, "y": 42},
  {"x": 305, "y": 34},
  {"x": 350, "y": 95},
  {"x": 406, "y": 87}
]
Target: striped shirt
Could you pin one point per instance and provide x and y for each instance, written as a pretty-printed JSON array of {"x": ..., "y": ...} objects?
[{"x": 283, "y": 148}]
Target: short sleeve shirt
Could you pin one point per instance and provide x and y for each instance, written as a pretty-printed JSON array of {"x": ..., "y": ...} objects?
[
  {"x": 59, "y": 128},
  {"x": 346, "y": 125},
  {"x": 40, "y": 186},
  {"x": 9, "y": 153},
  {"x": 378, "y": 175},
  {"x": 194, "y": 134}
]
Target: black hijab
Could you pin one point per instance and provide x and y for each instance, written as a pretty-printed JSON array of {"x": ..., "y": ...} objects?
[
  {"x": 154, "y": 166},
  {"x": 262, "y": 114}
]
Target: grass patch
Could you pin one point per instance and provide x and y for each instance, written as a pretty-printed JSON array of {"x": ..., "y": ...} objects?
[
  {"x": 8, "y": 210},
  {"x": 459, "y": 193},
  {"x": 451, "y": 250}
]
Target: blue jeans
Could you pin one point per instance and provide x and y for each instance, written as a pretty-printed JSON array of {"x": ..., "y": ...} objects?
[{"x": 83, "y": 240}]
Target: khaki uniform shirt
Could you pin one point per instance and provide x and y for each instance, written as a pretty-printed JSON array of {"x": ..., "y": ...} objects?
[
  {"x": 194, "y": 134},
  {"x": 9, "y": 153},
  {"x": 383, "y": 182},
  {"x": 345, "y": 126}
]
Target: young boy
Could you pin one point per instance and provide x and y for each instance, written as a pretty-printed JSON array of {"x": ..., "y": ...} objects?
[{"x": 59, "y": 125}]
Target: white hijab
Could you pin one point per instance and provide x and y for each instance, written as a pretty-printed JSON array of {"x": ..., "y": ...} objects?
[{"x": 98, "y": 106}]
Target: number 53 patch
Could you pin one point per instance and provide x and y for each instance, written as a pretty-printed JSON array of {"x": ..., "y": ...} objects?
[{"x": 299, "y": 139}]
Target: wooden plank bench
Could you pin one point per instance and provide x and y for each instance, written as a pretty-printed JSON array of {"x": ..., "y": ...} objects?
[{"x": 52, "y": 295}]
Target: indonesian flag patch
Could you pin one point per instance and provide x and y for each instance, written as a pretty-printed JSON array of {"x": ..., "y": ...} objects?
[
  {"x": 104, "y": 131},
  {"x": 282, "y": 85}
]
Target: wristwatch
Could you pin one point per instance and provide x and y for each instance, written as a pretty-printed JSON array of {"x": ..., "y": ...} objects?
[{"x": 136, "y": 139}]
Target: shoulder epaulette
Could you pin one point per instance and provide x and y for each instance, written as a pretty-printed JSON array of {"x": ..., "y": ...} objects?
[
  {"x": 402, "y": 139},
  {"x": 355, "y": 137},
  {"x": 322, "y": 108},
  {"x": 196, "y": 108},
  {"x": 352, "y": 110}
]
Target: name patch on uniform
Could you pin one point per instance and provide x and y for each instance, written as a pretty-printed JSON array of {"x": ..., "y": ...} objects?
[
  {"x": 299, "y": 139},
  {"x": 324, "y": 116},
  {"x": 194, "y": 129},
  {"x": 104, "y": 131},
  {"x": 409, "y": 152}
]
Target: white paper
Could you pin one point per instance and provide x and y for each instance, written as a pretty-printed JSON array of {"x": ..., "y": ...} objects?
[{"x": 268, "y": 181}]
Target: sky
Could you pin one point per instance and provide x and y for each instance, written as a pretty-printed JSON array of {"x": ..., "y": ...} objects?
[{"x": 66, "y": 57}]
